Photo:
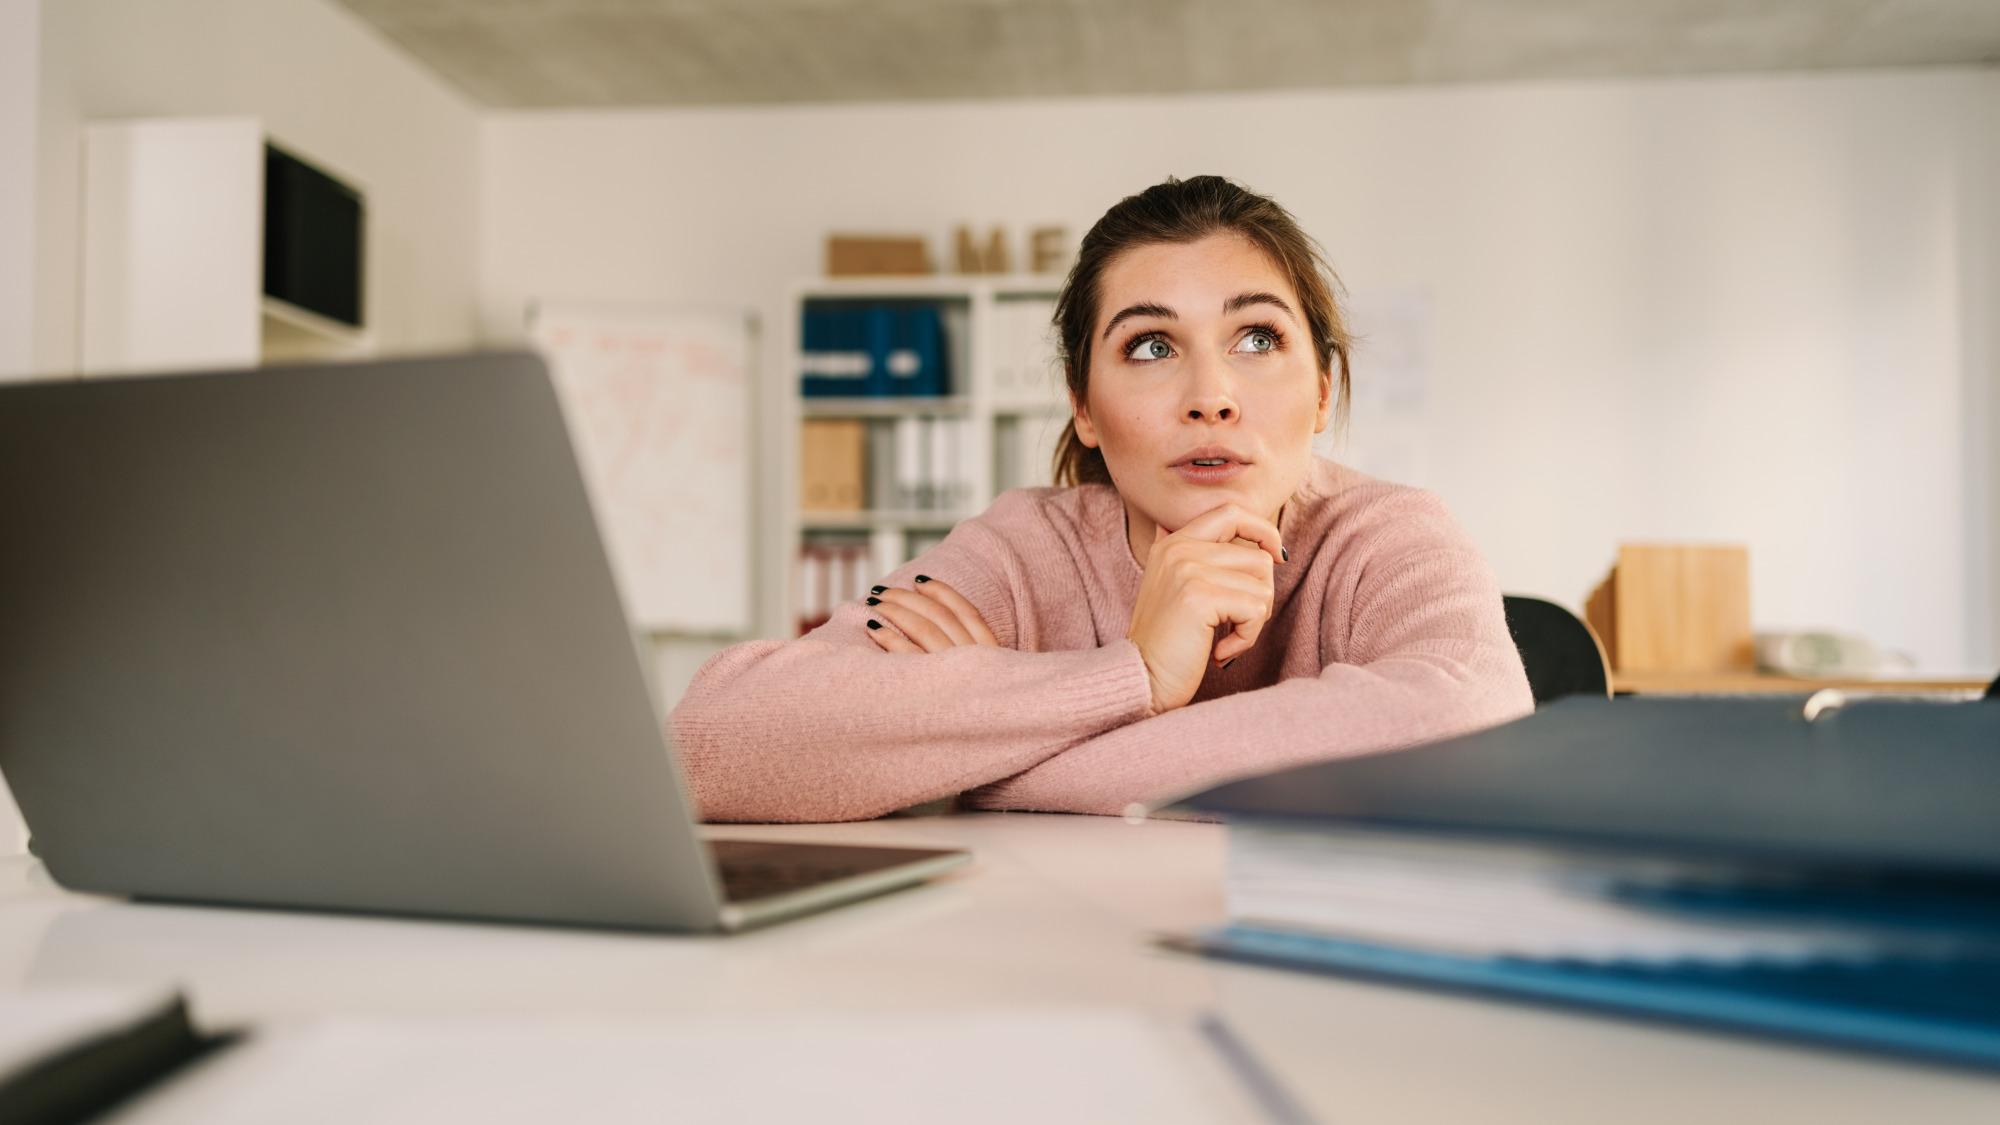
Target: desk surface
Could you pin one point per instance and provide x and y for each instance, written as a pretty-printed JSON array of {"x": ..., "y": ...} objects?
[{"x": 1056, "y": 910}]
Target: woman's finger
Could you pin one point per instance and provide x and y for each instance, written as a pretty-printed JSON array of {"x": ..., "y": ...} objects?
[
  {"x": 1231, "y": 590},
  {"x": 1238, "y": 641},
  {"x": 961, "y": 607},
  {"x": 1246, "y": 617},
  {"x": 915, "y": 625},
  {"x": 889, "y": 640},
  {"x": 1220, "y": 525},
  {"x": 1238, "y": 555},
  {"x": 939, "y": 615},
  {"x": 1228, "y": 599}
]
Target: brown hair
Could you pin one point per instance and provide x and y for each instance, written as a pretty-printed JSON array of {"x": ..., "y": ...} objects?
[{"x": 1182, "y": 211}]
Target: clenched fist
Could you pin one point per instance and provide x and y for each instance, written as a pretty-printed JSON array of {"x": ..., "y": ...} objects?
[{"x": 1212, "y": 573}]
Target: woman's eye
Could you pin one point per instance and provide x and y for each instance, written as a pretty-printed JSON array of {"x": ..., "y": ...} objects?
[
  {"x": 1151, "y": 347},
  {"x": 1260, "y": 342}
]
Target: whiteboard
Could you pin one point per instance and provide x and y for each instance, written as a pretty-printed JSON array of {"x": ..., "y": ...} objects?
[{"x": 658, "y": 405}]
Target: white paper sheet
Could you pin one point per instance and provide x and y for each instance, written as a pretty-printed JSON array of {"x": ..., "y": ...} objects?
[
  {"x": 1482, "y": 899},
  {"x": 658, "y": 404},
  {"x": 1046, "y": 1067}
]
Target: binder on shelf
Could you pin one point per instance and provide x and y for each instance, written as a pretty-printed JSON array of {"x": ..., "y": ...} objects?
[
  {"x": 926, "y": 464},
  {"x": 916, "y": 361},
  {"x": 903, "y": 465},
  {"x": 833, "y": 458},
  {"x": 1723, "y": 862},
  {"x": 833, "y": 570},
  {"x": 835, "y": 359},
  {"x": 873, "y": 349},
  {"x": 882, "y": 489},
  {"x": 1027, "y": 374}
]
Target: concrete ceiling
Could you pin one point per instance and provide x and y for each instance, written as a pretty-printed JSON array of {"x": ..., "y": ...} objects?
[{"x": 686, "y": 52}]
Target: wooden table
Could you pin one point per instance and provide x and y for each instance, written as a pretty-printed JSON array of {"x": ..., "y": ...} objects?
[{"x": 1756, "y": 683}]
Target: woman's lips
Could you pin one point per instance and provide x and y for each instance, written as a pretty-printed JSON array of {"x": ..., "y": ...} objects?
[{"x": 1210, "y": 466}]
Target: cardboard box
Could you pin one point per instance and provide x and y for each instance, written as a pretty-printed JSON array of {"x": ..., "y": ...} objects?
[
  {"x": 833, "y": 465},
  {"x": 865, "y": 255}
]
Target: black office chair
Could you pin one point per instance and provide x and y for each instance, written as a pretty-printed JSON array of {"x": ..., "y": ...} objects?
[
  {"x": 1992, "y": 691},
  {"x": 1563, "y": 656}
]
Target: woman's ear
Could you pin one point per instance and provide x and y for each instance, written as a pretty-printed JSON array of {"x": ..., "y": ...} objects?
[
  {"x": 1325, "y": 417},
  {"x": 1080, "y": 417}
]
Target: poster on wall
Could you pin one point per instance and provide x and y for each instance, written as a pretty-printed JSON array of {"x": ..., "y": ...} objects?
[{"x": 658, "y": 405}]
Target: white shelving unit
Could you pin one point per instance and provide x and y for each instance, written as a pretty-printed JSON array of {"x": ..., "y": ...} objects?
[
  {"x": 291, "y": 334},
  {"x": 1004, "y": 386}
]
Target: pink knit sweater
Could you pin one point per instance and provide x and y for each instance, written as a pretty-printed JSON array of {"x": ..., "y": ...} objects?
[{"x": 1386, "y": 631}]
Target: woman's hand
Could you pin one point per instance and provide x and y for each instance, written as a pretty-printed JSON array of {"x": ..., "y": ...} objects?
[
  {"x": 931, "y": 618},
  {"x": 1214, "y": 572}
]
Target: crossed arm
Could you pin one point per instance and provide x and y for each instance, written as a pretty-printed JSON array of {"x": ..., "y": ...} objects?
[
  {"x": 1212, "y": 575},
  {"x": 854, "y": 722}
]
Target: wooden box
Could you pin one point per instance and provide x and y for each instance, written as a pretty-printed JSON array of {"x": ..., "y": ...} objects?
[{"x": 1667, "y": 608}]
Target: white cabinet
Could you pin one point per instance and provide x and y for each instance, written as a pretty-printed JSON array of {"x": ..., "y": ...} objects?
[
  {"x": 173, "y": 253},
  {"x": 173, "y": 234}
]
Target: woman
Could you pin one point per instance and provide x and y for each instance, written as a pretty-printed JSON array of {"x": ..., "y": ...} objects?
[{"x": 1204, "y": 598}]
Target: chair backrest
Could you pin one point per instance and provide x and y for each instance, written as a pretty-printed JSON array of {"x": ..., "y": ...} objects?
[{"x": 1561, "y": 653}]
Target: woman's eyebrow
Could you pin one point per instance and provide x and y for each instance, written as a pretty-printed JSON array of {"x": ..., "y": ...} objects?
[
  {"x": 1130, "y": 311},
  {"x": 1245, "y": 300}
]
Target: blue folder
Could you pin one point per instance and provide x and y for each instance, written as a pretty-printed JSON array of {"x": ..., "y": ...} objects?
[
  {"x": 1882, "y": 816},
  {"x": 1946, "y": 1009}
]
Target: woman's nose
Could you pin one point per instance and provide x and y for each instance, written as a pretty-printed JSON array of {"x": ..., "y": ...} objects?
[{"x": 1207, "y": 395}]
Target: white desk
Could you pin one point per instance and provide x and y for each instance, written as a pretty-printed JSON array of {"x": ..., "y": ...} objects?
[{"x": 1057, "y": 910}]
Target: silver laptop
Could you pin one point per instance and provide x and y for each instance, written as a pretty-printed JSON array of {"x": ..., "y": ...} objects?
[{"x": 345, "y": 637}]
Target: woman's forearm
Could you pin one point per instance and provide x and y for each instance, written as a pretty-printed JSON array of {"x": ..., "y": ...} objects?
[
  {"x": 1346, "y": 711},
  {"x": 831, "y": 728}
]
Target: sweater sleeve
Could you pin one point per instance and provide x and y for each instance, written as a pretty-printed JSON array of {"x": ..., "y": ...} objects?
[
  {"x": 1425, "y": 654},
  {"x": 830, "y": 727}
]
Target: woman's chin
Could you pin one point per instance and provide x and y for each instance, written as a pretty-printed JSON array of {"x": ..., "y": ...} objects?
[{"x": 1184, "y": 504}]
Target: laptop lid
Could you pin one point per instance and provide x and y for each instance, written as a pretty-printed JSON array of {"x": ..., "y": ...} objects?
[{"x": 336, "y": 636}]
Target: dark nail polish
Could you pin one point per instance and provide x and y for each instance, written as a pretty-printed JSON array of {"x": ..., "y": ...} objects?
[
  {"x": 1284, "y": 554},
  {"x": 923, "y": 578},
  {"x": 874, "y": 601},
  {"x": 877, "y": 589},
  {"x": 874, "y": 624},
  {"x": 1228, "y": 662}
]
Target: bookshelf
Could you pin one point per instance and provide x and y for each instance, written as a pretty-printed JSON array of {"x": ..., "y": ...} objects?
[{"x": 993, "y": 429}]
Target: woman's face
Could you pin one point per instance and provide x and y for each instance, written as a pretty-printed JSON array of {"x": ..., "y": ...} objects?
[{"x": 1203, "y": 387}]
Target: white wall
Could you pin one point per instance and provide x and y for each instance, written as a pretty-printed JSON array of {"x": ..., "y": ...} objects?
[
  {"x": 18, "y": 20},
  {"x": 1740, "y": 308},
  {"x": 326, "y": 86},
  {"x": 18, "y": 50},
  {"x": 1981, "y": 267}
]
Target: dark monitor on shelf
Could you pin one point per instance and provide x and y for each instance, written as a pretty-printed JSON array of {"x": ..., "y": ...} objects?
[{"x": 313, "y": 227}]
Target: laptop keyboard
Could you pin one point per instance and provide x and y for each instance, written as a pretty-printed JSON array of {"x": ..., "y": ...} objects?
[{"x": 754, "y": 869}]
